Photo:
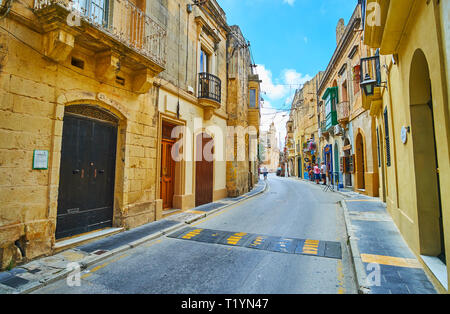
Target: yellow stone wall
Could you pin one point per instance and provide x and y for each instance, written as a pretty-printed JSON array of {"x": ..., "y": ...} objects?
[
  {"x": 34, "y": 94},
  {"x": 37, "y": 84},
  {"x": 400, "y": 186}
]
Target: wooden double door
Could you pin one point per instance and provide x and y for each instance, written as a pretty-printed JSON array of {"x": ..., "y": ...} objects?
[{"x": 87, "y": 172}]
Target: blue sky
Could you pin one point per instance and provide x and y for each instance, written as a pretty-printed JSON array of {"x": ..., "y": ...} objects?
[{"x": 291, "y": 40}]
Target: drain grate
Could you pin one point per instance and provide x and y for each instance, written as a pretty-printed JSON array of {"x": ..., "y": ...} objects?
[{"x": 14, "y": 282}]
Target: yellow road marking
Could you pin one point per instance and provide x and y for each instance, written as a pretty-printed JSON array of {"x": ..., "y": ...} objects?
[
  {"x": 340, "y": 278},
  {"x": 390, "y": 260},
  {"x": 93, "y": 270}
]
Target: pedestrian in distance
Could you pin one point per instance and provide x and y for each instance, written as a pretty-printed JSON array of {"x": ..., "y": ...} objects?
[
  {"x": 316, "y": 173},
  {"x": 323, "y": 172},
  {"x": 265, "y": 173}
]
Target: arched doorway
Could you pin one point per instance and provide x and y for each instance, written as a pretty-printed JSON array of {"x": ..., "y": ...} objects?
[
  {"x": 87, "y": 171},
  {"x": 360, "y": 167},
  {"x": 204, "y": 169},
  {"x": 429, "y": 206}
]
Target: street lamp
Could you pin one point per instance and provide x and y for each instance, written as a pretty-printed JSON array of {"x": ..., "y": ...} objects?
[{"x": 368, "y": 85}]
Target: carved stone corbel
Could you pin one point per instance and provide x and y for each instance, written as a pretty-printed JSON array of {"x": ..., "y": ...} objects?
[
  {"x": 143, "y": 81},
  {"x": 58, "y": 45},
  {"x": 107, "y": 65}
]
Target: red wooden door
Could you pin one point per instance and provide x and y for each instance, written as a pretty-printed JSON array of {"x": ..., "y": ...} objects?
[
  {"x": 167, "y": 174},
  {"x": 203, "y": 171}
]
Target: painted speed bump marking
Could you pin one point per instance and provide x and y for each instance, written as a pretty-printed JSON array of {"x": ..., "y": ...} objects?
[
  {"x": 235, "y": 238},
  {"x": 311, "y": 247},
  {"x": 192, "y": 234},
  {"x": 262, "y": 242}
]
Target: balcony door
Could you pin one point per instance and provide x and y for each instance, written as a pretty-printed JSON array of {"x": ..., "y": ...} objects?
[
  {"x": 204, "y": 61},
  {"x": 96, "y": 10}
]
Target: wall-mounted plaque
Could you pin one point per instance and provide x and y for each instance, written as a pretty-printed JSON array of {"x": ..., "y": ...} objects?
[{"x": 40, "y": 159}]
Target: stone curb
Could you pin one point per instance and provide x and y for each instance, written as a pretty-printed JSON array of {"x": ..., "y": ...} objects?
[
  {"x": 90, "y": 260},
  {"x": 358, "y": 265}
]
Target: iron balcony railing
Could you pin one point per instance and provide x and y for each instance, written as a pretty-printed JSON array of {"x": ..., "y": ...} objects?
[
  {"x": 343, "y": 111},
  {"x": 121, "y": 20},
  {"x": 209, "y": 87}
]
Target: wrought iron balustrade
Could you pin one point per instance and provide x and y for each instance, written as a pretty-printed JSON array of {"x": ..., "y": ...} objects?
[
  {"x": 119, "y": 19},
  {"x": 209, "y": 87}
]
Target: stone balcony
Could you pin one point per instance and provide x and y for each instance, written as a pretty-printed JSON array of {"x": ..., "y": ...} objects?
[
  {"x": 118, "y": 35},
  {"x": 209, "y": 93}
]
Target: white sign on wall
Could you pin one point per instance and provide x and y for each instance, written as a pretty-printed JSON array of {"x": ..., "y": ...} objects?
[{"x": 40, "y": 159}]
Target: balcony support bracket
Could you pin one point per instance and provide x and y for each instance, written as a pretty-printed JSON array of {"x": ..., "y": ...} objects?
[
  {"x": 58, "y": 45},
  {"x": 143, "y": 81},
  {"x": 107, "y": 65}
]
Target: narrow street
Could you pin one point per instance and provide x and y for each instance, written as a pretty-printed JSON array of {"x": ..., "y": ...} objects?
[{"x": 288, "y": 209}]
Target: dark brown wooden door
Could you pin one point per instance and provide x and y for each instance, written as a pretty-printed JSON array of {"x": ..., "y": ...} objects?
[
  {"x": 203, "y": 171},
  {"x": 167, "y": 174},
  {"x": 86, "y": 184}
]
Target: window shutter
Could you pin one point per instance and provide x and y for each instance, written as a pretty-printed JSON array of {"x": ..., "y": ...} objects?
[{"x": 386, "y": 131}]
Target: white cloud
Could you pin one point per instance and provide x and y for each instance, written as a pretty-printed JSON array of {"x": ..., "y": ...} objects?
[
  {"x": 273, "y": 91},
  {"x": 280, "y": 92},
  {"x": 290, "y": 79},
  {"x": 295, "y": 78}
]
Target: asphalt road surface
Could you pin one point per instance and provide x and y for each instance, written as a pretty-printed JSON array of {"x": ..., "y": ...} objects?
[{"x": 289, "y": 209}]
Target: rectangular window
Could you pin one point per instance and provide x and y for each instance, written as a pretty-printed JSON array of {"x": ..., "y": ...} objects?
[{"x": 253, "y": 98}]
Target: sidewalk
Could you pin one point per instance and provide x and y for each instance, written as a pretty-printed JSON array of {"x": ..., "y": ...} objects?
[
  {"x": 384, "y": 264},
  {"x": 40, "y": 272}
]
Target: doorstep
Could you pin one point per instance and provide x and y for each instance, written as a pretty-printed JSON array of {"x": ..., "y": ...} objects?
[
  {"x": 68, "y": 243},
  {"x": 438, "y": 269},
  {"x": 169, "y": 212}
]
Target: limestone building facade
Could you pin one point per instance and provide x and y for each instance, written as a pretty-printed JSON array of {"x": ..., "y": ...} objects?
[{"x": 113, "y": 114}]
